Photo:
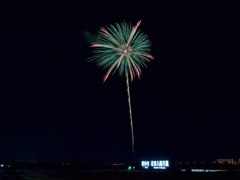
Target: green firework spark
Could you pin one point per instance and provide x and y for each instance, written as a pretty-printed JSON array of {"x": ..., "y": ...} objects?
[{"x": 122, "y": 47}]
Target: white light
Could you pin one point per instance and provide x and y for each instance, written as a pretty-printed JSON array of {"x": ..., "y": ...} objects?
[
  {"x": 167, "y": 164},
  {"x": 153, "y": 163},
  {"x": 206, "y": 170},
  {"x": 2, "y": 165},
  {"x": 145, "y": 163},
  {"x": 159, "y": 167},
  {"x": 197, "y": 170},
  {"x": 159, "y": 163}
]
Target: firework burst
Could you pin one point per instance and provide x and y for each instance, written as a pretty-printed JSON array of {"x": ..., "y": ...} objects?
[{"x": 123, "y": 48}]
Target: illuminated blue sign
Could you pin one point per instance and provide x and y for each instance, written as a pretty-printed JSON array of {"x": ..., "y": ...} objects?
[{"x": 155, "y": 164}]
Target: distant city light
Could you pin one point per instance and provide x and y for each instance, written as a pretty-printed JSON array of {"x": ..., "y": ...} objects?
[
  {"x": 129, "y": 167},
  {"x": 205, "y": 170},
  {"x": 2, "y": 165},
  {"x": 118, "y": 164}
]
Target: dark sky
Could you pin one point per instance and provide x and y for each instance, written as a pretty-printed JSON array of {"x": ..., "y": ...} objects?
[{"x": 53, "y": 104}]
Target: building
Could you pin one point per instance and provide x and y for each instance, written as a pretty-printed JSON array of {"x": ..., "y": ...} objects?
[
  {"x": 227, "y": 161},
  {"x": 163, "y": 164}
]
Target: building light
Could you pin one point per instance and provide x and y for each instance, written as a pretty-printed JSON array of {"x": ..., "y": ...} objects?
[
  {"x": 155, "y": 164},
  {"x": 145, "y": 163},
  {"x": 159, "y": 167}
]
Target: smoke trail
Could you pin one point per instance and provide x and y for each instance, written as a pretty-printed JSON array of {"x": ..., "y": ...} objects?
[
  {"x": 90, "y": 37},
  {"x": 130, "y": 112}
]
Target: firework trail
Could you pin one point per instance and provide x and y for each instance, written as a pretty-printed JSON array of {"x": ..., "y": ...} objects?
[
  {"x": 123, "y": 48},
  {"x": 130, "y": 112}
]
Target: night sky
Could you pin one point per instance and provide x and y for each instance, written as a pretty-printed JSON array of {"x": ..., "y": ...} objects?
[{"x": 55, "y": 108}]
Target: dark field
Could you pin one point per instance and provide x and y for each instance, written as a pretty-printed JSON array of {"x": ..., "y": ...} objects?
[{"x": 107, "y": 175}]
